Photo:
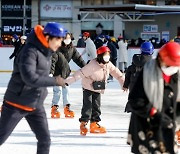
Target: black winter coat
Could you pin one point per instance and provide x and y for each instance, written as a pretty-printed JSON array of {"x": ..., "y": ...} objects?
[
  {"x": 152, "y": 135},
  {"x": 81, "y": 43},
  {"x": 30, "y": 76},
  {"x": 132, "y": 71},
  {"x": 113, "y": 50},
  {"x": 60, "y": 61},
  {"x": 98, "y": 43},
  {"x": 17, "y": 45}
]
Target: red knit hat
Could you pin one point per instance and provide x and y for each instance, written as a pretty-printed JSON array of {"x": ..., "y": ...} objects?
[
  {"x": 170, "y": 54},
  {"x": 102, "y": 49}
]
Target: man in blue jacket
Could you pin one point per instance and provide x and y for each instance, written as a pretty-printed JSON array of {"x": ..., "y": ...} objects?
[{"x": 27, "y": 90}]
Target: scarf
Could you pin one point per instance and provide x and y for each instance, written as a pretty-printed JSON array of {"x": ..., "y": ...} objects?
[{"x": 154, "y": 84}]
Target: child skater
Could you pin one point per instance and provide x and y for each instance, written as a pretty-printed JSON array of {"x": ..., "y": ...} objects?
[{"x": 94, "y": 79}]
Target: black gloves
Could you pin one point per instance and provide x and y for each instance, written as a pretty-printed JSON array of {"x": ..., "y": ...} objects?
[
  {"x": 155, "y": 120},
  {"x": 161, "y": 119}
]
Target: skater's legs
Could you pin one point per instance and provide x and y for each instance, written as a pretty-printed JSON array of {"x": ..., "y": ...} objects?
[
  {"x": 96, "y": 104},
  {"x": 56, "y": 95},
  {"x": 65, "y": 94},
  {"x": 121, "y": 66},
  {"x": 10, "y": 117},
  {"x": 86, "y": 110},
  {"x": 39, "y": 125}
]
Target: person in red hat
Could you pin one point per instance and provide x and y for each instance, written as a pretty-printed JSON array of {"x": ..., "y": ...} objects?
[
  {"x": 153, "y": 101},
  {"x": 94, "y": 77},
  {"x": 90, "y": 48}
]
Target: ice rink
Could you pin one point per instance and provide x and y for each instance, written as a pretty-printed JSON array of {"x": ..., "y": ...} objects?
[{"x": 65, "y": 135}]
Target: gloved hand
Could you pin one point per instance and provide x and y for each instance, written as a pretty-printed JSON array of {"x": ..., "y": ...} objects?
[
  {"x": 10, "y": 57},
  {"x": 60, "y": 81},
  {"x": 160, "y": 119},
  {"x": 155, "y": 120},
  {"x": 166, "y": 121},
  {"x": 155, "y": 117}
]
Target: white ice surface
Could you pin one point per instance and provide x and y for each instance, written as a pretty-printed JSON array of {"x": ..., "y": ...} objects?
[{"x": 65, "y": 132}]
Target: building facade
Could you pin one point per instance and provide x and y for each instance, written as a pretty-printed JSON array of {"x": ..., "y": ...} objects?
[{"x": 21, "y": 16}]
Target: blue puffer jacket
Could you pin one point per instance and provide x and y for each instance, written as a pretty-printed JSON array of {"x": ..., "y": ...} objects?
[{"x": 30, "y": 76}]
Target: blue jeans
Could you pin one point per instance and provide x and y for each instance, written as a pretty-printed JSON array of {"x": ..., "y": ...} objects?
[{"x": 57, "y": 94}]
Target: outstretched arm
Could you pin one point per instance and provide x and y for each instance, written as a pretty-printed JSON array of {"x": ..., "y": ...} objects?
[
  {"x": 116, "y": 73},
  {"x": 86, "y": 71}
]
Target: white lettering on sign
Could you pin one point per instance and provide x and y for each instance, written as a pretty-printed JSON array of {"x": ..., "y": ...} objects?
[
  {"x": 13, "y": 28},
  {"x": 61, "y": 8},
  {"x": 11, "y": 6},
  {"x": 15, "y": 7}
]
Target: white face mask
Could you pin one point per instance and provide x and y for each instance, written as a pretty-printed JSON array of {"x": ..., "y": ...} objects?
[
  {"x": 13, "y": 40},
  {"x": 169, "y": 70},
  {"x": 106, "y": 58},
  {"x": 67, "y": 41},
  {"x": 153, "y": 41}
]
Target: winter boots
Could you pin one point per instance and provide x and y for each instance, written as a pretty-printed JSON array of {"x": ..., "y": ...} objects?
[
  {"x": 67, "y": 112},
  {"x": 94, "y": 128},
  {"x": 54, "y": 111},
  {"x": 83, "y": 128}
]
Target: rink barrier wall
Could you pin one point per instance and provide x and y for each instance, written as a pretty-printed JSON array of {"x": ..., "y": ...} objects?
[{"x": 6, "y": 65}]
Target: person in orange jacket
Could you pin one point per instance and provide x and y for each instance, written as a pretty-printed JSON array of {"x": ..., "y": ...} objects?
[{"x": 27, "y": 90}]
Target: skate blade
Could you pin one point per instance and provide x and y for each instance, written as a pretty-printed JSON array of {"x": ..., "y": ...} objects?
[
  {"x": 97, "y": 132},
  {"x": 83, "y": 133},
  {"x": 69, "y": 116},
  {"x": 55, "y": 117}
]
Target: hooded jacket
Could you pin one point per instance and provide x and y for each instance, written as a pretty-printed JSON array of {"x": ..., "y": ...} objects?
[
  {"x": 61, "y": 58},
  {"x": 30, "y": 77}
]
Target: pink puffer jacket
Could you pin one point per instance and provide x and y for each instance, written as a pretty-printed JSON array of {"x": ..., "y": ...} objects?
[{"x": 94, "y": 71}]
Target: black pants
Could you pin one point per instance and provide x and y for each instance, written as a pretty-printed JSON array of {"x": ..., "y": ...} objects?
[
  {"x": 10, "y": 117},
  {"x": 91, "y": 106}
]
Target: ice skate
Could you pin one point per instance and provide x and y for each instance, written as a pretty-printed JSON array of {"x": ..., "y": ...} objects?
[
  {"x": 177, "y": 138},
  {"x": 96, "y": 128},
  {"x": 54, "y": 112},
  {"x": 83, "y": 128},
  {"x": 67, "y": 112}
]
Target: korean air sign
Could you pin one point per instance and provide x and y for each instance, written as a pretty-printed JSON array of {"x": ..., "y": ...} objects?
[{"x": 10, "y": 8}]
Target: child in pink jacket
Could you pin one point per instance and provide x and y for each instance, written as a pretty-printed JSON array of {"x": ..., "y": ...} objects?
[{"x": 96, "y": 70}]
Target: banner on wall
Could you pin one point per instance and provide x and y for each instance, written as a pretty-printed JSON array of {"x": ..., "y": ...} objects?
[
  {"x": 148, "y": 36},
  {"x": 150, "y": 28},
  {"x": 165, "y": 35},
  {"x": 56, "y": 9}
]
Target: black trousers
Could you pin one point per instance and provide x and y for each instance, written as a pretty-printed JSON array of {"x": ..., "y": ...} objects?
[
  {"x": 10, "y": 117},
  {"x": 91, "y": 106}
]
